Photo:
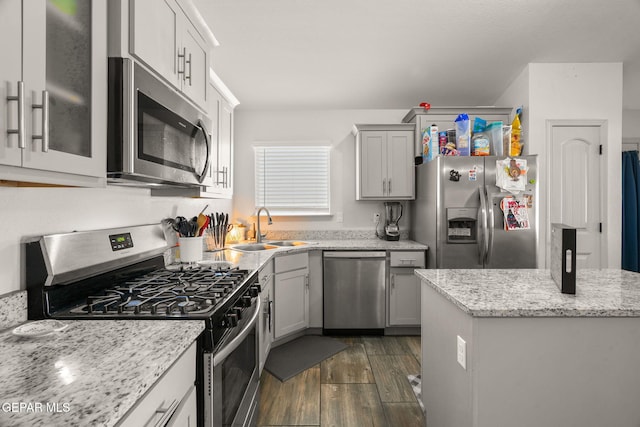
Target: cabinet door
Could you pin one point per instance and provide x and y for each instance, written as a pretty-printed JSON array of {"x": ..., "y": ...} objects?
[
  {"x": 291, "y": 303},
  {"x": 404, "y": 298},
  {"x": 373, "y": 164},
  {"x": 266, "y": 323},
  {"x": 63, "y": 44},
  {"x": 10, "y": 75},
  {"x": 400, "y": 166},
  {"x": 225, "y": 148},
  {"x": 196, "y": 65},
  {"x": 154, "y": 36}
]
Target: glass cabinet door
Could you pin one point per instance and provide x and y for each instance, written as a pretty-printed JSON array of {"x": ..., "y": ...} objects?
[{"x": 68, "y": 71}]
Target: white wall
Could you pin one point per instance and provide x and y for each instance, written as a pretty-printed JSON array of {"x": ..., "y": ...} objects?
[
  {"x": 326, "y": 125},
  {"x": 570, "y": 91},
  {"x": 39, "y": 211},
  {"x": 631, "y": 124}
]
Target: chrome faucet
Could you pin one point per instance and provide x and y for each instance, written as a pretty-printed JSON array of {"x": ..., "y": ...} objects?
[{"x": 258, "y": 235}]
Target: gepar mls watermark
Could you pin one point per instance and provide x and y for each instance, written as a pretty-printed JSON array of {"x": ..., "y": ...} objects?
[{"x": 35, "y": 407}]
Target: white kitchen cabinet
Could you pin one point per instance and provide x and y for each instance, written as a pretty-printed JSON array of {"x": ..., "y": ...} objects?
[
  {"x": 265, "y": 320},
  {"x": 171, "y": 399},
  {"x": 164, "y": 38},
  {"x": 404, "y": 288},
  {"x": 53, "y": 79},
  {"x": 221, "y": 111},
  {"x": 384, "y": 162},
  {"x": 291, "y": 294}
]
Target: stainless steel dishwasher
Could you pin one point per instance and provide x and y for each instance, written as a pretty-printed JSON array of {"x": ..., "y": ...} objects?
[{"x": 354, "y": 291}]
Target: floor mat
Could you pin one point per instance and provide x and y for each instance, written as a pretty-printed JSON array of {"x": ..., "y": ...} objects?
[
  {"x": 416, "y": 385},
  {"x": 288, "y": 360}
]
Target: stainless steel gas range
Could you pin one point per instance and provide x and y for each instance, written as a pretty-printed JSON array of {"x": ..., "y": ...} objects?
[{"x": 121, "y": 274}]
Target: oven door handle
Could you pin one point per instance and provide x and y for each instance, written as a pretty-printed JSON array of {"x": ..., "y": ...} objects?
[{"x": 225, "y": 351}]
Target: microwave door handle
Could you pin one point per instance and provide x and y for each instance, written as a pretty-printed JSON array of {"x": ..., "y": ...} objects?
[{"x": 203, "y": 175}]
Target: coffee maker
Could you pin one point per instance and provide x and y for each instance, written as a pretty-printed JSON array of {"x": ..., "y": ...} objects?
[{"x": 393, "y": 212}]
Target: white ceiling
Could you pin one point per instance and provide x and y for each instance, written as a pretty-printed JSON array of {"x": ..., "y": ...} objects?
[{"x": 397, "y": 53}]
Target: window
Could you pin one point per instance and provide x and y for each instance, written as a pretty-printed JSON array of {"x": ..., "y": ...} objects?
[{"x": 293, "y": 179}]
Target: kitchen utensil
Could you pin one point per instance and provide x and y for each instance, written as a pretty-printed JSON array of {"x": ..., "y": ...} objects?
[{"x": 201, "y": 222}]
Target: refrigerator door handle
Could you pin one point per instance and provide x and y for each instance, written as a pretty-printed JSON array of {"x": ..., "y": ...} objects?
[
  {"x": 482, "y": 220},
  {"x": 490, "y": 222}
]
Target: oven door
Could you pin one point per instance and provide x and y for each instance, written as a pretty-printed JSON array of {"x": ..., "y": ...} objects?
[
  {"x": 155, "y": 135},
  {"x": 233, "y": 378}
]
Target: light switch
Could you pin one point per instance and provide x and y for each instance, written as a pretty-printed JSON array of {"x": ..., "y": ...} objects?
[{"x": 339, "y": 217}]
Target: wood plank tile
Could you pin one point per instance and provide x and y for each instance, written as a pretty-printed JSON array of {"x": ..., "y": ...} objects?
[
  {"x": 390, "y": 372},
  {"x": 349, "y": 366},
  {"x": 414, "y": 344},
  {"x": 385, "y": 345},
  {"x": 348, "y": 339},
  {"x": 293, "y": 402},
  {"x": 353, "y": 405},
  {"x": 404, "y": 414}
]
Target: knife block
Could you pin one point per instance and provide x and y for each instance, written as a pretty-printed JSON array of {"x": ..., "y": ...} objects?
[{"x": 563, "y": 257}]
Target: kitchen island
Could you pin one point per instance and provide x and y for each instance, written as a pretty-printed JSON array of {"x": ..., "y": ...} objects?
[
  {"x": 532, "y": 356},
  {"x": 90, "y": 374}
]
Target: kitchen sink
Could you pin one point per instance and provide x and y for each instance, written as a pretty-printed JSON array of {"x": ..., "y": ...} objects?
[
  {"x": 252, "y": 247},
  {"x": 289, "y": 243}
]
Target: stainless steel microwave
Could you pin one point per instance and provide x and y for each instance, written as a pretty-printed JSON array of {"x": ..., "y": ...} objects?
[{"x": 155, "y": 136}]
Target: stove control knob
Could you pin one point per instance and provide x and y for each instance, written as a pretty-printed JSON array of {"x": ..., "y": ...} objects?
[
  {"x": 254, "y": 291},
  {"x": 237, "y": 311},
  {"x": 246, "y": 301},
  {"x": 232, "y": 320}
]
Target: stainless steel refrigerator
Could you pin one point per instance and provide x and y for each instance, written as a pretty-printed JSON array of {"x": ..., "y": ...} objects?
[{"x": 465, "y": 219}]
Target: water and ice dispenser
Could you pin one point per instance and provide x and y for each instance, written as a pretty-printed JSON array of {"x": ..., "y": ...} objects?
[{"x": 462, "y": 225}]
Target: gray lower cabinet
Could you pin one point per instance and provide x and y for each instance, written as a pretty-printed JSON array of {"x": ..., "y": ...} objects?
[
  {"x": 404, "y": 288},
  {"x": 291, "y": 291}
]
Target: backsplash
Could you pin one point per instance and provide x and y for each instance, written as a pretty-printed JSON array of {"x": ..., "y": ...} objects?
[
  {"x": 13, "y": 309},
  {"x": 326, "y": 234}
]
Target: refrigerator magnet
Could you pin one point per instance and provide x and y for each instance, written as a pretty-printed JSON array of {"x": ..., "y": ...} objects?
[{"x": 473, "y": 173}]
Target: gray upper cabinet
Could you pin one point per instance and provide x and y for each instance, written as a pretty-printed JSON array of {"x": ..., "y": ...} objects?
[
  {"x": 163, "y": 37},
  {"x": 384, "y": 162},
  {"x": 53, "y": 85}
]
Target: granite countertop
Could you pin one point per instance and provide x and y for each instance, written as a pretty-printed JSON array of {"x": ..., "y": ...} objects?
[
  {"x": 532, "y": 293},
  {"x": 254, "y": 260},
  {"x": 96, "y": 370}
]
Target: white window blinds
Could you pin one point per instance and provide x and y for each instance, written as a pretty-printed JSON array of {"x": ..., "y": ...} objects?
[{"x": 293, "y": 180}]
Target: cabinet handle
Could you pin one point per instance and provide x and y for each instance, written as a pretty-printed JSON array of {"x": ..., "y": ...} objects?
[
  {"x": 167, "y": 413},
  {"x": 306, "y": 281},
  {"x": 185, "y": 67},
  {"x": 393, "y": 282},
  {"x": 225, "y": 171},
  {"x": 20, "y": 99},
  {"x": 182, "y": 56},
  {"x": 44, "y": 136},
  {"x": 389, "y": 186},
  {"x": 384, "y": 187}
]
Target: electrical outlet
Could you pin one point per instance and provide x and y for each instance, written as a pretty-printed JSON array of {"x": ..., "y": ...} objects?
[
  {"x": 376, "y": 217},
  {"x": 462, "y": 353},
  {"x": 339, "y": 217}
]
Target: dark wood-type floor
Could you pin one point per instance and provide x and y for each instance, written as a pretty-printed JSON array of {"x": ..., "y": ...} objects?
[{"x": 364, "y": 385}]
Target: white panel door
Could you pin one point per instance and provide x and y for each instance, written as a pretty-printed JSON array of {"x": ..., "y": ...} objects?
[
  {"x": 10, "y": 75},
  {"x": 196, "y": 73},
  {"x": 373, "y": 164},
  {"x": 575, "y": 165}
]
